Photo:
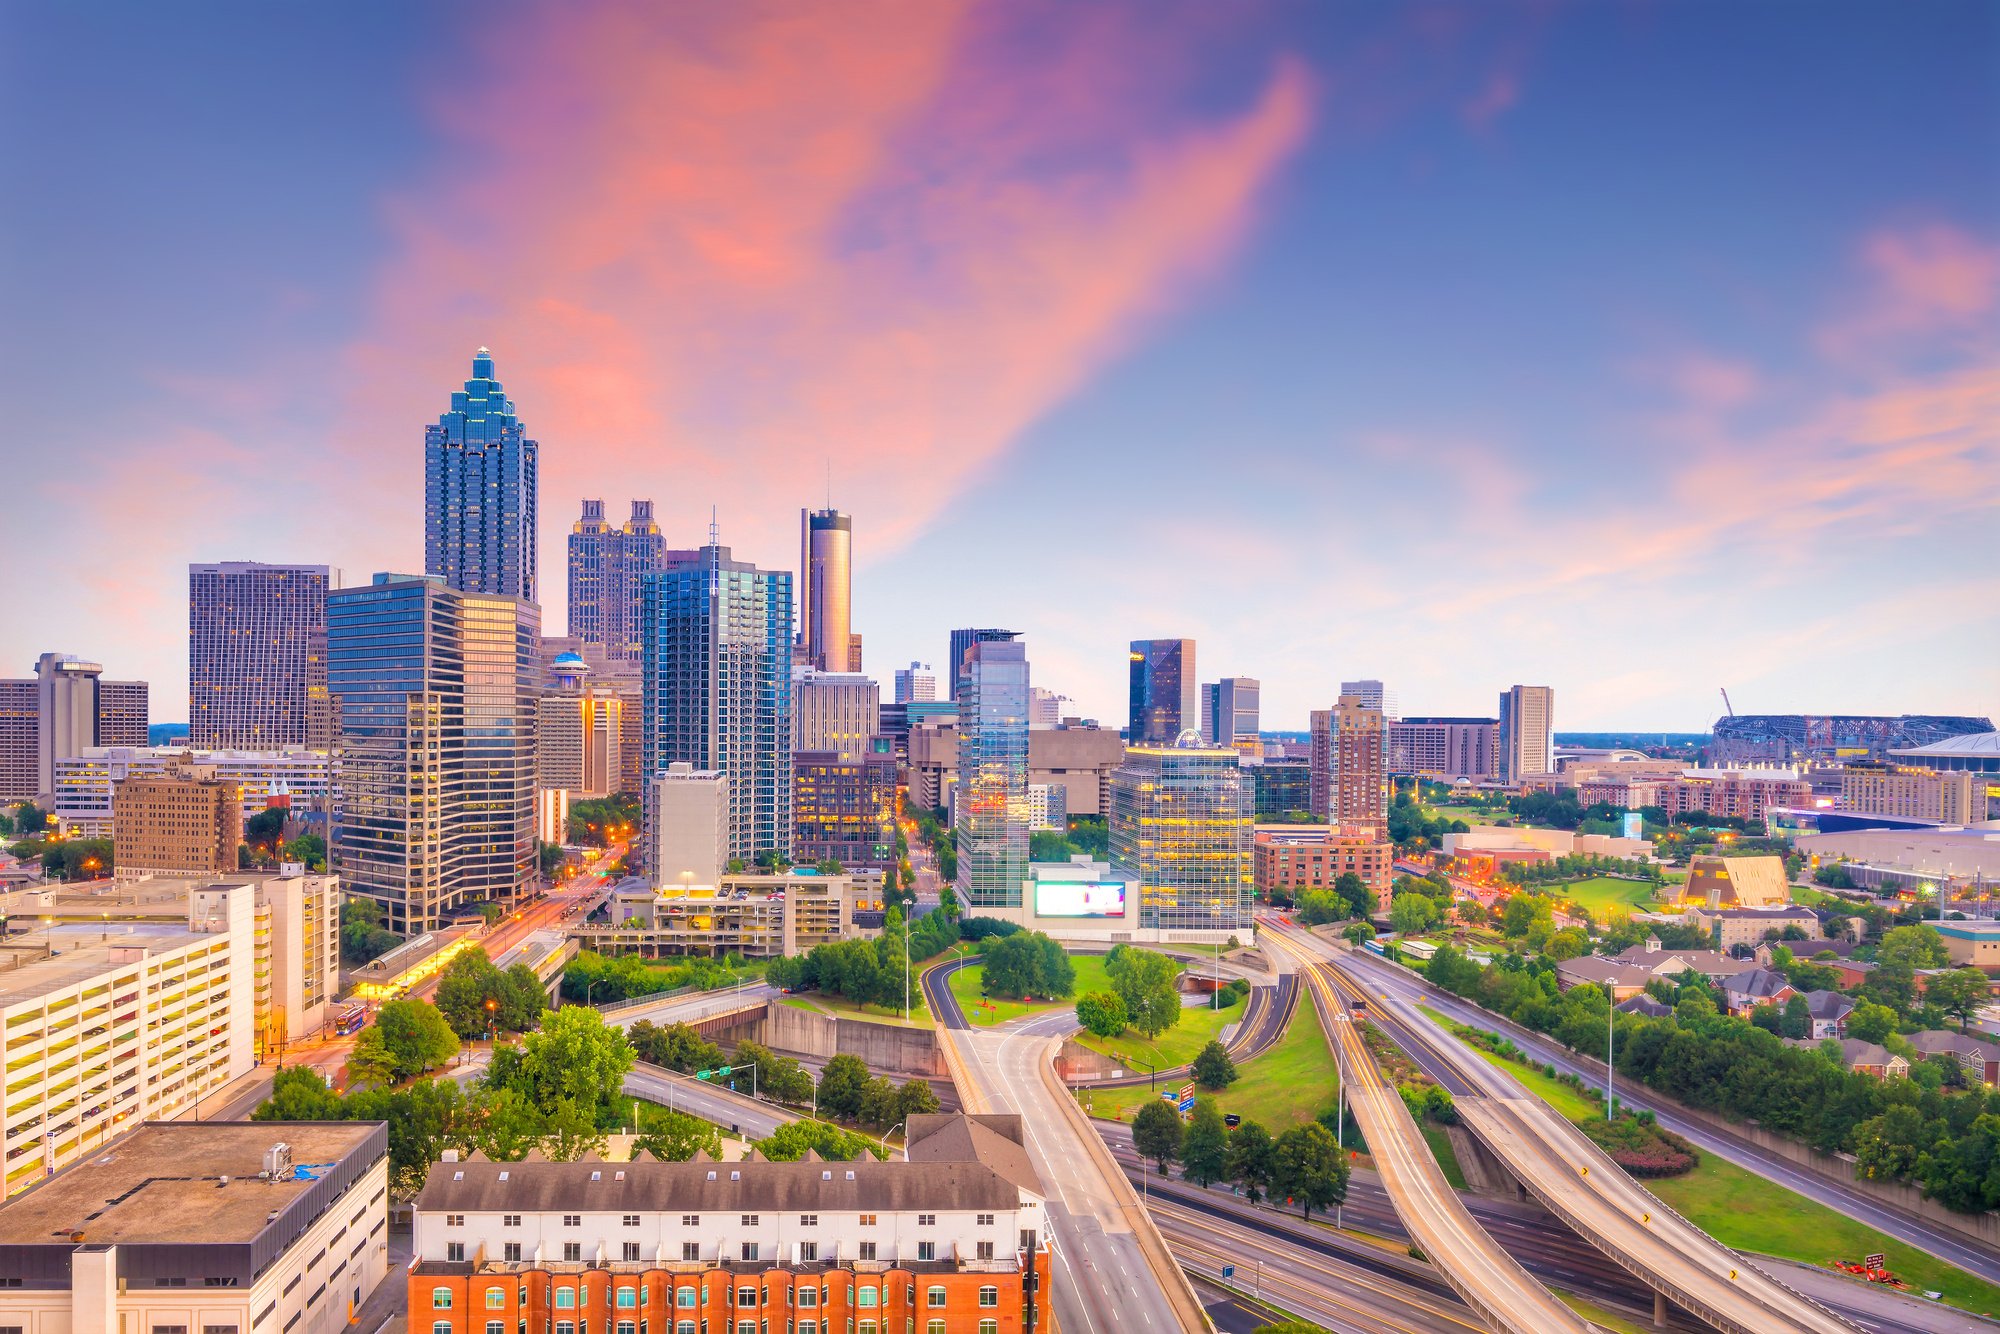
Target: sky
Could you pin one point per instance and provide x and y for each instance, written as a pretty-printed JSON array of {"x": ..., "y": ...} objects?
[{"x": 1634, "y": 349}]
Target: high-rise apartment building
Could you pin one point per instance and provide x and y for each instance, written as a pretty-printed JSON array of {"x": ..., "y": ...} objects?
[
  {"x": 1229, "y": 710},
  {"x": 1526, "y": 733},
  {"x": 64, "y": 709},
  {"x": 1372, "y": 694},
  {"x": 1350, "y": 784},
  {"x": 184, "y": 821},
  {"x": 836, "y": 712},
  {"x": 826, "y": 592},
  {"x": 1165, "y": 693},
  {"x": 961, "y": 642},
  {"x": 1443, "y": 747},
  {"x": 437, "y": 704},
  {"x": 916, "y": 684},
  {"x": 717, "y": 676},
  {"x": 991, "y": 824},
  {"x": 844, "y": 807},
  {"x": 1181, "y": 824},
  {"x": 607, "y": 570},
  {"x": 257, "y": 657},
  {"x": 579, "y": 734},
  {"x": 480, "y": 478},
  {"x": 687, "y": 831}
]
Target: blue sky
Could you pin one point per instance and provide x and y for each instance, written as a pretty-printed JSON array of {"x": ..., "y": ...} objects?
[{"x": 1631, "y": 349}]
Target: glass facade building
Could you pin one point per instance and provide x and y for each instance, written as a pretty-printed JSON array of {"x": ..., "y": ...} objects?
[
  {"x": 257, "y": 657},
  {"x": 1181, "y": 825},
  {"x": 826, "y": 592},
  {"x": 607, "y": 570},
  {"x": 480, "y": 478},
  {"x": 992, "y": 818},
  {"x": 1166, "y": 696},
  {"x": 435, "y": 799},
  {"x": 717, "y": 678}
]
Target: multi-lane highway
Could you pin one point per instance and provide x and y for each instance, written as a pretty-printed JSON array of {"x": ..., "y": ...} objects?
[{"x": 1490, "y": 1280}]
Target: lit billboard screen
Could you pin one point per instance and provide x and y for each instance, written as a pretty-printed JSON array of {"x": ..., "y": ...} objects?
[{"x": 1079, "y": 898}]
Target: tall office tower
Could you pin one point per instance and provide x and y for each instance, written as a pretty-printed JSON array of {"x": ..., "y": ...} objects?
[
  {"x": 916, "y": 684},
  {"x": 836, "y": 712},
  {"x": 1349, "y": 778},
  {"x": 1229, "y": 710},
  {"x": 480, "y": 478},
  {"x": 64, "y": 709},
  {"x": 1442, "y": 747},
  {"x": 436, "y": 691},
  {"x": 257, "y": 657},
  {"x": 826, "y": 592},
  {"x": 1372, "y": 694},
  {"x": 961, "y": 641},
  {"x": 991, "y": 825},
  {"x": 579, "y": 728},
  {"x": 844, "y": 807},
  {"x": 1181, "y": 824},
  {"x": 187, "y": 820},
  {"x": 1045, "y": 707},
  {"x": 1166, "y": 696},
  {"x": 717, "y": 677},
  {"x": 1525, "y": 738},
  {"x": 607, "y": 567}
]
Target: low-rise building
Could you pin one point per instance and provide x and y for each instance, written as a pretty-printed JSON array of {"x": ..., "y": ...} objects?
[
  {"x": 1979, "y": 1060},
  {"x": 1871, "y": 1058},
  {"x": 1746, "y": 794},
  {"x": 954, "y": 1236},
  {"x": 185, "y": 821},
  {"x": 1730, "y": 927},
  {"x": 214, "y": 1226},
  {"x": 1711, "y": 964},
  {"x": 1622, "y": 981},
  {"x": 1646, "y": 1005},
  {"x": 1547, "y": 842},
  {"x": 1290, "y": 858},
  {"x": 1829, "y": 1011},
  {"x": 1753, "y": 987},
  {"x": 757, "y": 916},
  {"x": 87, "y": 783},
  {"x": 1972, "y": 944}
]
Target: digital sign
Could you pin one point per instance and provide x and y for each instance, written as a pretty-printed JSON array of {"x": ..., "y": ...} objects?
[{"x": 1079, "y": 898}]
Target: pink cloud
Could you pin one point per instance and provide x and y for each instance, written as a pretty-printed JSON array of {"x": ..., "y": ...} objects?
[
  {"x": 713, "y": 249},
  {"x": 1920, "y": 281}
]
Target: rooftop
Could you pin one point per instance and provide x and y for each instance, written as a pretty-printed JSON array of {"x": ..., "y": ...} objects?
[
  {"x": 1977, "y": 743},
  {"x": 37, "y": 963},
  {"x": 174, "y": 1182}
]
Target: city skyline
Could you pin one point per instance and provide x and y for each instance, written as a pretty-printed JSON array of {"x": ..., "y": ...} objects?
[{"x": 1701, "y": 365}]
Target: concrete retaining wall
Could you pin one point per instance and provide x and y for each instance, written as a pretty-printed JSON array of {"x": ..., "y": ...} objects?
[{"x": 884, "y": 1048}]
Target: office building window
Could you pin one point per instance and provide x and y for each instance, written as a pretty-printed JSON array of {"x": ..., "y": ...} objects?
[
  {"x": 934, "y": 1297},
  {"x": 989, "y": 1296}
]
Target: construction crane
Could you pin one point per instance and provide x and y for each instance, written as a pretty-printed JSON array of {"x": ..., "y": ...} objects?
[{"x": 1725, "y": 701}]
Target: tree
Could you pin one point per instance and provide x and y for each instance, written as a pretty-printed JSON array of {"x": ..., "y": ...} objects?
[
  {"x": 1144, "y": 980},
  {"x": 298, "y": 1094},
  {"x": 1871, "y": 1022},
  {"x": 1212, "y": 1067},
  {"x": 675, "y": 1137},
  {"x": 362, "y": 936},
  {"x": 1960, "y": 992},
  {"x": 1205, "y": 1145},
  {"x": 30, "y": 820},
  {"x": 1412, "y": 913},
  {"x": 878, "y": 1103},
  {"x": 1796, "y": 1021},
  {"x": 548, "y": 859},
  {"x": 1316, "y": 906},
  {"x": 262, "y": 829},
  {"x": 676, "y": 1047},
  {"x": 1522, "y": 913},
  {"x": 370, "y": 1063},
  {"x": 572, "y": 1131},
  {"x": 1156, "y": 1133},
  {"x": 791, "y": 1141},
  {"x": 574, "y": 1056},
  {"x": 470, "y": 981},
  {"x": 916, "y": 1098},
  {"x": 506, "y": 1124},
  {"x": 1102, "y": 1013},
  {"x": 1358, "y": 933},
  {"x": 1309, "y": 1168},
  {"x": 840, "y": 1087},
  {"x": 1026, "y": 964},
  {"x": 1568, "y": 943},
  {"x": 1354, "y": 890},
  {"x": 1252, "y": 1159},
  {"x": 309, "y": 850},
  {"x": 415, "y": 1035},
  {"x": 1918, "y": 946}
]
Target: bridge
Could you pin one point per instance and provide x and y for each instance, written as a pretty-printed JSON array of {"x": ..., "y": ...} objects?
[{"x": 547, "y": 952}]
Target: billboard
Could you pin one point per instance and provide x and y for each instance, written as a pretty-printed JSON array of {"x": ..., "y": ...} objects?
[
  {"x": 1635, "y": 825},
  {"x": 1079, "y": 898}
]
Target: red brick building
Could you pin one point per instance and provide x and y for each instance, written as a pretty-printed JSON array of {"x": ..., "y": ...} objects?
[{"x": 1290, "y": 858}]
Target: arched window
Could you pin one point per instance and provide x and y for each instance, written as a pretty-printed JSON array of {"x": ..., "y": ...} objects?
[
  {"x": 496, "y": 1299},
  {"x": 934, "y": 1298},
  {"x": 628, "y": 1298},
  {"x": 440, "y": 1299},
  {"x": 866, "y": 1298},
  {"x": 565, "y": 1299}
]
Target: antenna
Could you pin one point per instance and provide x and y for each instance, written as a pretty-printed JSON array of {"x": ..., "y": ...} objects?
[
  {"x": 829, "y": 481},
  {"x": 714, "y": 531}
]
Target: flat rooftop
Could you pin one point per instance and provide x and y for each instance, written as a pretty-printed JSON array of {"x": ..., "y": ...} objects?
[
  {"x": 162, "y": 1184},
  {"x": 37, "y": 963}
]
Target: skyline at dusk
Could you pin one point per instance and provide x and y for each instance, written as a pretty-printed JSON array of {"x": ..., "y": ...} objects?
[{"x": 1633, "y": 350}]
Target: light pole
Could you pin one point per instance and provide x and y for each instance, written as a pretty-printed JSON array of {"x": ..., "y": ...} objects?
[
  {"x": 892, "y": 1130},
  {"x": 591, "y": 987},
  {"x": 1610, "y": 1044}
]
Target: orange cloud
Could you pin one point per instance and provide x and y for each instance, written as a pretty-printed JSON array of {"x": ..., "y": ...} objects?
[{"x": 714, "y": 250}]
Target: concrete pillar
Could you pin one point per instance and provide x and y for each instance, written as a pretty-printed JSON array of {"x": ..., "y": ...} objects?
[
  {"x": 1520, "y": 1192},
  {"x": 93, "y": 1288},
  {"x": 1659, "y": 1309}
]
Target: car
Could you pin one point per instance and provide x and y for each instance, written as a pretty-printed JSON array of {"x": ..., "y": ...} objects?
[{"x": 1231, "y": 1119}]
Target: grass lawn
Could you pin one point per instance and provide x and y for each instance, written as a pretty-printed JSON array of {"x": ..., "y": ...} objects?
[
  {"x": 1446, "y": 1155},
  {"x": 841, "y": 1006},
  {"x": 980, "y": 1012},
  {"x": 1597, "y": 1315},
  {"x": 1749, "y": 1213},
  {"x": 1602, "y": 891},
  {"x": 1288, "y": 1085}
]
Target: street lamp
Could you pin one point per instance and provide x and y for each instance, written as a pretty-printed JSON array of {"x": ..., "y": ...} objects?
[
  {"x": 892, "y": 1130},
  {"x": 591, "y": 987},
  {"x": 492, "y": 1006}
]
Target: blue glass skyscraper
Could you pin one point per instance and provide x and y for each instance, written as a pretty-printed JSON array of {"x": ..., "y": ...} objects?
[
  {"x": 991, "y": 806},
  {"x": 480, "y": 475},
  {"x": 717, "y": 670}
]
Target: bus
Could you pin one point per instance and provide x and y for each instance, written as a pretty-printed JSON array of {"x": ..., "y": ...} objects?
[{"x": 351, "y": 1020}]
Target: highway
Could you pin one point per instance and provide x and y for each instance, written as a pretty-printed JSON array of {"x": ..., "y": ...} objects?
[
  {"x": 1581, "y": 1185},
  {"x": 1491, "y": 1281},
  {"x": 1111, "y": 1274}
]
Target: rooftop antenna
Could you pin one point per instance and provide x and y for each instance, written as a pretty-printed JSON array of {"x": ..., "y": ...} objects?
[
  {"x": 714, "y": 531},
  {"x": 829, "y": 481}
]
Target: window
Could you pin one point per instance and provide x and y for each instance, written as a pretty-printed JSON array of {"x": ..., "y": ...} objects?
[
  {"x": 496, "y": 1327},
  {"x": 510, "y": 1251},
  {"x": 454, "y": 1220},
  {"x": 569, "y": 1327},
  {"x": 808, "y": 1220},
  {"x": 926, "y": 1220},
  {"x": 749, "y": 1250},
  {"x": 749, "y": 1220},
  {"x": 684, "y": 1297},
  {"x": 927, "y": 1250},
  {"x": 746, "y": 1296},
  {"x": 631, "y": 1253},
  {"x": 566, "y": 1299},
  {"x": 572, "y": 1220},
  {"x": 934, "y": 1297},
  {"x": 986, "y": 1220},
  {"x": 454, "y": 1251},
  {"x": 510, "y": 1220},
  {"x": 867, "y": 1249},
  {"x": 441, "y": 1327},
  {"x": 690, "y": 1250},
  {"x": 870, "y": 1327},
  {"x": 440, "y": 1299},
  {"x": 627, "y": 1298},
  {"x": 934, "y": 1327},
  {"x": 746, "y": 1327},
  {"x": 866, "y": 1298},
  {"x": 989, "y": 1296},
  {"x": 631, "y": 1220},
  {"x": 170, "y": 1329},
  {"x": 496, "y": 1299},
  {"x": 690, "y": 1220},
  {"x": 219, "y": 1281},
  {"x": 808, "y": 1327},
  {"x": 868, "y": 1220},
  {"x": 808, "y": 1252},
  {"x": 986, "y": 1250},
  {"x": 808, "y": 1298},
  {"x": 684, "y": 1327},
  {"x": 627, "y": 1327},
  {"x": 572, "y": 1251},
  {"x": 989, "y": 1327}
]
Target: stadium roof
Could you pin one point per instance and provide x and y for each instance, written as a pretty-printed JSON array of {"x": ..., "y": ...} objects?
[{"x": 1977, "y": 743}]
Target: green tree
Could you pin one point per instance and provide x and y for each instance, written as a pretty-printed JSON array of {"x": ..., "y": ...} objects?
[
  {"x": 262, "y": 829},
  {"x": 1918, "y": 946},
  {"x": 1318, "y": 906},
  {"x": 1354, "y": 890},
  {"x": 1309, "y": 1168},
  {"x": 362, "y": 936},
  {"x": 1796, "y": 1021},
  {"x": 416, "y": 1036},
  {"x": 548, "y": 859},
  {"x": 1144, "y": 981},
  {"x": 1568, "y": 943},
  {"x": 675, "y": 1137},
  {"x": 1358, "y": 933},
  {"x": 298, "y": 1094},
  {"x": 1959, "y": 992},
  {"x": 507, "y": 1124},
  {"x": 879, "y": 1103},
  {"x": 841, "y": 1085},
  {"x": 1024, "y": 965},
  {"x": 571, "y": 1131},
  {"x": 1156, "y": 1133},
  {"x": 1410, "y": 914},
  {"x": 916, "y": 1098},
  {"x": 1871, "y": 1022},
  {"x": 1205, "y": 1145},
  {"x": 1252, "y": 1159},
  {"x": 576, "y": 1056},
  {"x": 30, "y": 820},
  {"x": 1102, "y": 1013},
  {"x": 1212, "y": 1067},
  {"x": 370, "y": 1063},
  {"x": 791, "y": 1141},
  {"x": 309, "y": 850},
  {"x": 676, "y": 1047}
]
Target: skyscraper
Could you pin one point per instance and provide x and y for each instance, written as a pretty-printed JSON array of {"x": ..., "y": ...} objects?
[
  {"x": 1350, "y": 783},
  {"x": 480, "y": 478},
  {"x": 991, "y": 825},
  {"x": 837, "y": 712},
  {"x": 1372, "y": 694},
  {"x": 257, "y": 657},
  {"x": 962, "y": 640},
  {"x": 1181, "y": 823},
  {"x": 717, "y": 675},
  {"x": 606, "y": 568},
  {"x": 916, "y": 684},
  {"x": 1229, "y": 710},
  {"x": 1527, "y": 732},
  {"x": 826, "y": 591},
  {"x": 437, "y": 699},
  {"x": 64, "y": 709},
  {"x": 1166, "y": 694},
  {"x": 1046, "y": 707}
]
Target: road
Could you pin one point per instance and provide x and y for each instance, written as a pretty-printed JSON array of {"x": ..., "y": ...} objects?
[
  {"x": 1949, "y": 1246},
  {"x": 1490, "y": 1280}
]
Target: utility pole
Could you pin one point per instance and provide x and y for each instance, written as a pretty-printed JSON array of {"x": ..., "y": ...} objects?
[{"x": 1610, "y": 1044}]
